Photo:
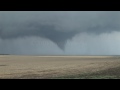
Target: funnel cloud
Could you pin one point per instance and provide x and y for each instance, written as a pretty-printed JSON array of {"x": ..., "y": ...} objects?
[{"x": 60, "y": 32}]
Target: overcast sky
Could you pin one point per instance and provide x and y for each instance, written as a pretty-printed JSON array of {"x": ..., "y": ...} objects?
[{"x": 60, "y": 32}]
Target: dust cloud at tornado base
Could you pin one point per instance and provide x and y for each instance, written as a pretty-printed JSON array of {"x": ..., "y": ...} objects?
[{"x": 60, "y": 33}]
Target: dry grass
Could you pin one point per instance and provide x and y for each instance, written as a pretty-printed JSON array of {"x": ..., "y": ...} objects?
[{"x": 34, "y": 67}]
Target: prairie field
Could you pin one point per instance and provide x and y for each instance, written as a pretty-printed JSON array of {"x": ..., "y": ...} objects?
[{"x": 59, "y": 67}]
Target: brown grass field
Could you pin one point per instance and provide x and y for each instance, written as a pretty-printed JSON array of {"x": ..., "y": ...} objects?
[{"x": 58, "y": 67}]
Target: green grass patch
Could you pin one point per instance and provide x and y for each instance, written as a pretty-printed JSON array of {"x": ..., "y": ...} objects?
[{"x": 111, "y": 73}]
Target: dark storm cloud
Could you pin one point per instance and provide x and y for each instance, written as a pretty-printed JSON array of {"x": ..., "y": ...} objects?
[
  {"x": 36, "y": 29},
  {"x": 59, "y": 27}
]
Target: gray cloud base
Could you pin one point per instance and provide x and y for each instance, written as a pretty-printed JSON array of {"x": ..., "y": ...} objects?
[{"x": 58, "y": 27}]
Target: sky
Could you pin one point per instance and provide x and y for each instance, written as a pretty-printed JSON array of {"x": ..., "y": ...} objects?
[{"x": 60, "y": 32}]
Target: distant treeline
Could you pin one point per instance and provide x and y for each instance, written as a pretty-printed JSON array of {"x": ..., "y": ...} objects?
[{"x": 4, "y": 54}]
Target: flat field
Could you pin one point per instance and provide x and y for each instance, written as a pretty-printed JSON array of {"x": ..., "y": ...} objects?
[{"x": 59, "y": 67}]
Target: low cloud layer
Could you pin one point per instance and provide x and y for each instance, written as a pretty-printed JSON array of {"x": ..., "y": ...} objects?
[{"x": 60, "y": 33}]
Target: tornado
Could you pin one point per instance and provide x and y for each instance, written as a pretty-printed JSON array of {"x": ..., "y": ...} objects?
[{"x": 60, "y": 27}]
